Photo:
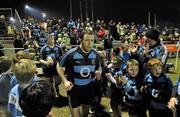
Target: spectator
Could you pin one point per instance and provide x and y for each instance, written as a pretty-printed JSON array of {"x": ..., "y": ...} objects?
[
  {"x": 7, "y": 80},
  {"x": 157, "y": 89},
  {"x": 10, "y": 30},
  {"x": 18, "y": 42},
  {"x": 100, "y": 33},
  {"x": 3, "y": 26},
  {"x": 132, "y": 84},
  {"x": 174, "y": 102},
  {"x": 24, "y": 71},
  {"x": 153, "y": 49},
  {"x": 1, "y": 50},
  {"x": 64, "y": 39},
  {"x": 41, "y": 39},
  {"x": 73, "y": 36},
  {"x": 108, "y": 45},
  {"x": 114, "y": 76},
  {"x": 36, "y": 100}
]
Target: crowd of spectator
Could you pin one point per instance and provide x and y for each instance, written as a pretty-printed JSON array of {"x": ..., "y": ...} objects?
[{"x": 72, "y": 48}]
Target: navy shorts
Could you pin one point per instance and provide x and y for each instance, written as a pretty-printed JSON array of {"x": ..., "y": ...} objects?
[{"x": 80, "y": 95}]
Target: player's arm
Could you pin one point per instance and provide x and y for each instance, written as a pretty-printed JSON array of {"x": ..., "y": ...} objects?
[{"x": 67, "y": 84}]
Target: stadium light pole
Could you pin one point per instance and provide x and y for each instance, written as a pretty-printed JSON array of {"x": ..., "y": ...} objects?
[
  {"x": 80, "y": 4},
  {"x": 155, "y": 21},
  {"x": 25, "y": 10},
  {"x": 177, "y": 55},
  {"x": 92, "y": 11},
  {"x": 86, "y": 9},
  {"x": 149, "y": 19},
  {"x": 70, "y": 5}
]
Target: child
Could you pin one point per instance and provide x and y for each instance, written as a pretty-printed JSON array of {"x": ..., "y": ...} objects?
[
  {"x": 25, "y": 71},
  {"x": 175, "y": 98},
  {"x": 7, "y": 80},
  {"x": 36, "y": 100},
  {"x": 133, "y": 96},
  {"x": 116, "y": 88},
  {"x": 158, "y": 89}
]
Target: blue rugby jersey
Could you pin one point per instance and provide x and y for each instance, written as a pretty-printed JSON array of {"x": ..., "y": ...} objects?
[
  {"x": 80, "y": 67},
  {"x": 161, "y": 85},
  {"x": 55, "y": 53},
  {"x": 132, "y": 91}
]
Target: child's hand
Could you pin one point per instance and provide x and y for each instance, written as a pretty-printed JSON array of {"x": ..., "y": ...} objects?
[
  {"x": 108, "y": 75},
  {"x": 143, "y": 88},
  {"x": 172, "y": 102},
  {"x": 110, "y": 65},
  {"x": 118, "y": 80},
  {"x": 123, "y": 79},
  {"x": 98, "y": 75}
]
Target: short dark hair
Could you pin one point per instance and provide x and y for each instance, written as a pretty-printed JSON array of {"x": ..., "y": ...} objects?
[
  {"x": 86, "y": 32},
  {"x": 37, "y": 99},
  {"x": 5, "y": 63},
  {"x": 153, "y": 34},
  {"x": 25, "y": 46}
]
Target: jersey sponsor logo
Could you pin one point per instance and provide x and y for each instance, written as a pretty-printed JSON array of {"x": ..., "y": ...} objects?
[{"x": 85, "y": 71}]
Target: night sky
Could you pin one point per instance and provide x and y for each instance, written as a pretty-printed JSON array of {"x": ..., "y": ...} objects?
[{"x": 124, "y": 10}]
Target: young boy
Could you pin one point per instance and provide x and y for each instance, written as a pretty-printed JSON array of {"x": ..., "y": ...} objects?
[
  {"x": 116, "y": 87},
  {"x": 36, "y": 100},
  {"x": 133, "y": 96},
  {"x": 158, "y": 89},
  {"x": 24, "y": 71},
  {"x": 7, "y": 80},
  {"x": 175, "y": 98}
]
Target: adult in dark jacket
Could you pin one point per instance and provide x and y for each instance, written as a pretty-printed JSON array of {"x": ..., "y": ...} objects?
[
  {"x": 153, "y": 49},
  {"x": 108, "y": 45},
  {"x": 18, "y": 42},
  {"x": 1, "y": 50}
]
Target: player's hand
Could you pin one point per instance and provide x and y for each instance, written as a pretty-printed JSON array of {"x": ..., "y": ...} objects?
[
  {"x": 49, "y": 61},
  {"x": 98, "y": 75},
  {"x": 68, "y": 85}
]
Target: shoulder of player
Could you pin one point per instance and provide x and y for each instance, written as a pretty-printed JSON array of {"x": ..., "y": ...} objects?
[{"x": 71, "y": 52}]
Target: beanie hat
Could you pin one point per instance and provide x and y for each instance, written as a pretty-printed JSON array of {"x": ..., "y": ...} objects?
[{"x": 152, "y": 34}]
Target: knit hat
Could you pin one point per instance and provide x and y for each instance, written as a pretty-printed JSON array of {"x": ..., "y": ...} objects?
[{"x": 153, "y": 34}]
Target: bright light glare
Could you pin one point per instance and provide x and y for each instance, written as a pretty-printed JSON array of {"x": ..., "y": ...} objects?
[
  {"x": 27, "y": 7},
  {"x": 43, "y": 15},
  {"x": 12, "y": 19}
]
